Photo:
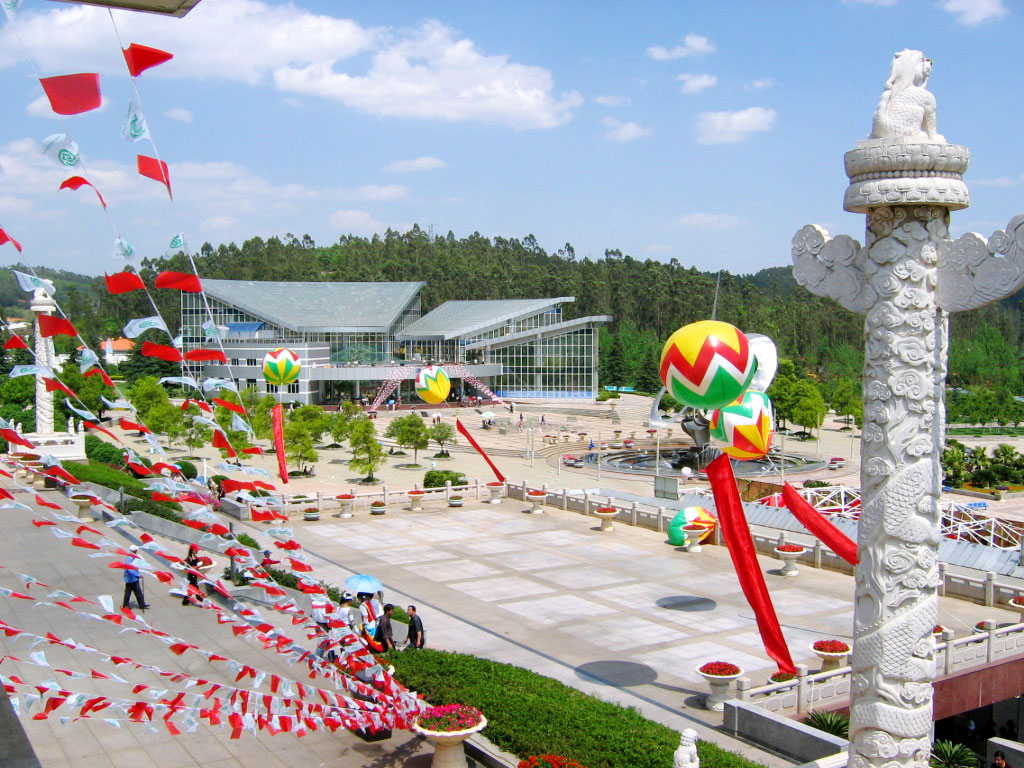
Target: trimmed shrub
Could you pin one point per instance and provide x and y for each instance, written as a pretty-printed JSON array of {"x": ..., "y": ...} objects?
[
  {"x": 529, "y": 714},
  {"x": 155, "y": 508},
  {"x": 103, "y": 474},
  {"x": 247, "y": 541},
  {"x": 188, "y": 469},
  {"x": 100, "y": 450},
  {"x": 436, "y": 478}
]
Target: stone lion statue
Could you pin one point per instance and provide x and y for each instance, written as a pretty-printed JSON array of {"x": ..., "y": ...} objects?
[
  {"x": 907, "y": 109},
  {"x": 686, "y": 753}
]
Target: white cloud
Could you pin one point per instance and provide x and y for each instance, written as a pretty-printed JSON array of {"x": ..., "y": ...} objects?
[
  {"x": 733, "y": 127},
  {"x": 709, "y": 221},
  {"x": 426, "y": 72},
  {"x": 378, "y": 192},
  {"x": 764, "y": 82},
  {"x": 180, "y": 114},
  {"x": 607, "y": 100},
  {"x": 882, "y": 3},
  {"x": 658, "y": 248},
  {"x": 355, "y": 222},
  {"x": 697, "y": 83},
  {"x": 693, "y": 45},
  {"x": 975, "y": 11},
  {"x": 999, "y": 181},
  {"x": 425, "y": 163},
  {"x": 218, "y": 224},
  {"x": 10, "y": 204},
  {"x": 623, "y": 132}
]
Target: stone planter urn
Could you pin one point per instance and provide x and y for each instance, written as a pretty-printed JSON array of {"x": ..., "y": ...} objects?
[
  {"x": 35, "y": 474},
  {"x": 719, "y": 683},
  {"x": 378, "y": 508},
  {"x": 536, "y": 499},
  {"x": 415, "y": 501},
  {"x": 497, "y": 490},
  {"x": 831, "y": 653},
  {"x": 311, "y": 514},
  {"x": 1017, "y": 604},
  {"x": 789, "y": 554},
  {"x": 565, "y": 438},
  {"x": 448, "y": 748},
  {"x": 346, "y": 500},
  {"x": 612, "y": 404},
  {"x": 693, "y": 537},
  {"x": 456, "y": 501},
  {"x": 84, "y": 504},
  {"x": 606, "y": 514}
]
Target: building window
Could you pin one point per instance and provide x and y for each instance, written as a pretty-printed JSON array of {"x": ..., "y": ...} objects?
[
  {"x": 293, "y": 389},
  {"x": 251, "y": 361}
]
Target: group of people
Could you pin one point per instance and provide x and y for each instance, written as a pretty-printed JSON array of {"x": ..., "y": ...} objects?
[
  {"x": 193, "y": 563},
  {"x": 363, "y": 615}
]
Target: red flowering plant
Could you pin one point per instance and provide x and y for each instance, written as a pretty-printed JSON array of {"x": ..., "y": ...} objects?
[
  {"x": 1017, "y": 602},
  {"x": 450, "y": 717},
  {"x": 416, "y": 493},
  {"x": 549, "y": 761},
  {"x": 495, "y": 484},
  {"x": 344, "y": 496},
  {"x": 782, "y": 677},
  {"x": 831, "y": 646},
  {"x": 937, "y": 629},
  {"x": 790, "y": 548},
  {"x": 606, "y": 510},
  {"x": 536, "y": 493},
  {"x": 720, "y": 669},
  {"x": 980, "y": 626}
]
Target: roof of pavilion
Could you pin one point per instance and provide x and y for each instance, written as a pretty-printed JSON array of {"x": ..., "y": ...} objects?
[{"x": 459, "y": 319}]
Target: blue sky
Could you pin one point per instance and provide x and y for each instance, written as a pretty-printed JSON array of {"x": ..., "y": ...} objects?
[{"x": 707, "y": 132}]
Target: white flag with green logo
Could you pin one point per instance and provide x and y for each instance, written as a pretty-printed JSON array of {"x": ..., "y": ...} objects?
[
  {"x": 142, "y": 324},
  {"x": 177, "y": 244},
  {"x": 135, "y": 126},
  {"x": 31, "y": 282},
  {"x": 10, "y": 8},
  {"x": 61, "y": 149},
  {"x": 88, "y": 360},
  {"x": 123, "y": 249},
  {"x": 210, "y": 332}
]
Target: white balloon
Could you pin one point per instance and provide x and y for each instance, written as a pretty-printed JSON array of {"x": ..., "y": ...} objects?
[{"x": 767, "y": 355}]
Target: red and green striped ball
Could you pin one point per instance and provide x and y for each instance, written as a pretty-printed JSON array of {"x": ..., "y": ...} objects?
[
  {"x": 744, "y": 428},
  {"x": 707, "y": 364}
]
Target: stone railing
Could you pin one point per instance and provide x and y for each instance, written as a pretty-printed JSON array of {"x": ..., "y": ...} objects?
[{"x": 813, "y": 690}]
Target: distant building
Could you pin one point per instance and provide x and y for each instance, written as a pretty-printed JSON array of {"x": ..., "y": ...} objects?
[{"x": 353, "y": 337}]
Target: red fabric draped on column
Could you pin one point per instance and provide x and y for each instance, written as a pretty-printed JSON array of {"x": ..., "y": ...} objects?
[
  {"x": 282, "y": 466},
  {"x": 815, "y": 522}
]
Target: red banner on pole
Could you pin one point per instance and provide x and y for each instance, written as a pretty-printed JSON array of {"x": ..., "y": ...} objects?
[
  {"x": 737, "y": 537},
  {"x": 469, "y": 437},
  {"x": 813, "y": 521},
  {"x": 282, "y": 465}
]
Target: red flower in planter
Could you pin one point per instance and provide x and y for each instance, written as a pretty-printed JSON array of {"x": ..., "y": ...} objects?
[
  {"x": 495, "y": 484},
  {"x": 344, "y": 496},
  {"x": 831, "y": 646},
  {"x": 782, "y": 677},
  {"x": 720, "y": 669},
  {"x": 790, "y": 548},
  {"x": 450, "y": 717},
  {"x": 937, "y": 629},
  {"x": 549, "y": 761},
  {"x": 416, "y": 493},
  {"x": 1017, "y": 602},
  {"x": 606, "y": 510}
]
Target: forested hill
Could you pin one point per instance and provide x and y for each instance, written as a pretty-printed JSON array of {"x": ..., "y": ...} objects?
[{"x": 649, "y": 299}]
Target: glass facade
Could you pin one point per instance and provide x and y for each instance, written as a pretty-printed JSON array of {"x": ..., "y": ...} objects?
[{"x": 563, "y": 366}]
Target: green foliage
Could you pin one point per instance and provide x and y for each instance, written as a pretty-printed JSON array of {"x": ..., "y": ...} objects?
[
  {"x": 247, "y": 541},
  {"x": 442, "y": 433},
  {"x": 367, "y": 454},
  {"x": 298, "y": 444},
  {"x": 947, "y": 754},
  {"x": 835, "y": 723},
  {"x": 436, "y": 478},
  {"x": 809, "y": 406},
  {"x": 138, "y": 366},
  {"x": 313, "y": 418},
  {"x": 529, "y": 714},
  {"x": 409, "y": 432},
  {"x": 145, "y": 394},
  {"x": 105, "y": 475},
  {"x": 155, "y": 508},
  {"x": 102, "y": 451},
  {"x": 188, "y": 469}
]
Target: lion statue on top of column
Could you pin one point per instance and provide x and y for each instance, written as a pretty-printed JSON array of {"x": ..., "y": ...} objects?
[{"x": 907, "y": 109}]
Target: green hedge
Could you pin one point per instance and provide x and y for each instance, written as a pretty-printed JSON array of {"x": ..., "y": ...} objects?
[
  {"x": 100, "y": 450},
  {"x": 103, "y": 474},
  {"x": 436, "y": 478},
  {"x": 529, "y": 714}
]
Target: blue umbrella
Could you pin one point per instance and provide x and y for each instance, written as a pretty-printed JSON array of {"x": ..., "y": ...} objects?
[{"x": 363, "y": 582}]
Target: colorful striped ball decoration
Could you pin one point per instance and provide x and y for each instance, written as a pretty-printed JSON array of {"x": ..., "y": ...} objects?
[
  {"x": 744, "y": 428},
  {"x": 281, "y": 366},
  {"x": 707, "y": 364},
  {"x": 433, "y": 384}
]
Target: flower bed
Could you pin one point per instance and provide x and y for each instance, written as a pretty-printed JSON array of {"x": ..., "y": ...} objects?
[
  {"x": 377, "y": 505},
  {"x": 495, "y": 484},
  {"x": 450, "y": 717},
  {"x": 606, "y": 511},
  {"x": 549, "y": 761},
  {"x": 782, "y": 677},
  {"x": 538, "y": 494},
  {"x": 1017, "y": 602},
  {"x": 720, "y": 669},
  {"x": 980, "y": 627},
  {"x": 415, "y": 493},
  {"x": 831, "y": 646},
  {"x": 790, "y": 548}
]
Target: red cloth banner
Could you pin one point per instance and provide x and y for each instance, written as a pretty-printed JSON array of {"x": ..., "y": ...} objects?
[
  {"x": 14, "y": 438},
  {"x": 77, "y": 182},
  {"x": 124, "y": 282},
  {"x": 49, "y": 325},
  {"x": 154, "y": 169},
  {"x": 52, "y": 385},
  {"x": 5, "y": 238},
  {"x": 220, "y": 441},
  {"x": 73, "y": 94},
  {"x": 131, "y": 425},
  {"x": 469, "y": 437},
  {"x": 180, "y": 281},
  {"x": 15, "y": 342},
  {"x": 282, "y": 466},
  {"x": 107, "y": 432},
  {"x": 229, "y": 405},
  {"x": 815, "y": 522},
  {"x": 102, "y": 374},
  {"x": 254, "y": 451},
  {"x": 230, "y": 486},
  {"x": 744, "y": 558},
  {"x": 63, "y": 474},
  {"x": 202, "y": 405},
  {"x": 162, "y": 351},
  {"x": 199, "y": 355},
  {"x": 139, "y": 58}
]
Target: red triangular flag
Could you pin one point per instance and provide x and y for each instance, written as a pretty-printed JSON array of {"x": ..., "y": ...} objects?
[
  {"x": 199, "y": 355},
  {"x": 44, "y": 503},
  {"x": 139, "y": 58},
  {"x": 63, "y": 474},
  {"x": 131, "y": 425},
  {"x": 219, "y": 441},
  {"x": 77, "y": 182},
  {"x": 253, "y": 451},
  {"x": 51, "y": 326},
  {"x": 154, "y": 169},
  {"x": 15, "y": 342},
  {"x": 229, "y": 405},
  {"x": 162, "y": 351},
  {"x": 73, "y": 94},
  {"x": 5, "y": 238},
  {"x": 124, "y": 282},
  {"x": 181, "y": 281},
  {"x": 53, "y": 385},
  {"x": 102, "y": 374}
]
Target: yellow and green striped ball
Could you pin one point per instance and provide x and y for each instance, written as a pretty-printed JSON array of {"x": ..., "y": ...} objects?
[
  {"x": 744, "y": 428},
  {"x": 707, "y": 364},
  {"x": 433, "y": 384},
  {"x": 281, "y": 366}
]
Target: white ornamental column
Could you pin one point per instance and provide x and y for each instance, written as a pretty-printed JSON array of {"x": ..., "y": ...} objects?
[
  {"x": 906, "y": 280},
  {"x": 43, "y": 304}
]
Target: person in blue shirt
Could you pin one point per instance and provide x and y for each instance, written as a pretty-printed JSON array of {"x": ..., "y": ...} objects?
[{"x": 133, "y": 580}]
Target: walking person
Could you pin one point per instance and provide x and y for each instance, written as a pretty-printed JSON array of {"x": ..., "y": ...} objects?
[
  {"x": 384, "y": 635},
  {"x": 415, "y": 638},
  {"x": 191, "y": 564},
  {"x": 133, "y": 580}
]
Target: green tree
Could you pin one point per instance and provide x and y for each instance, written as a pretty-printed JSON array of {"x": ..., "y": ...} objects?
[
  {"x": 341, "y": 420},
  {"x": 194, "y": 433},
  {"x": 138, "y": 365},
  {"x": 954, "y": 464},
  {"x": 845, "y": 400},
  {"x": 313, "y": 417},
  {"x": 409, "y": 432},
  {"x": 145, "y": 394},
  {"x": 809, "y": 408},
  {"x": 367, "y": 453},
  {"x": 163, "y": 418},
  {"x": 442, "y": 433},
  {"x": 298, "y": 444}
]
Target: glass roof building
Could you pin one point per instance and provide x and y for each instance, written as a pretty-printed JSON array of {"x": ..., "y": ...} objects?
[{"x": 352, "y": 337}]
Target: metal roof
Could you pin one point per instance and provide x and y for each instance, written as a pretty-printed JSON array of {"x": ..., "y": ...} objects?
[
  {"x": 164, "y": 7},
  {"x": 455, "y": 319},
  {"x": 318, "y": 307}
]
